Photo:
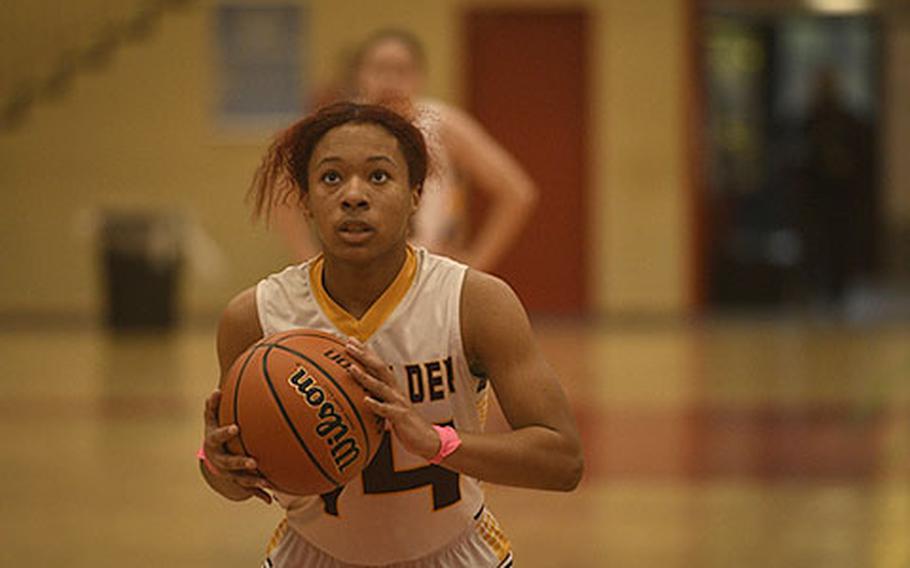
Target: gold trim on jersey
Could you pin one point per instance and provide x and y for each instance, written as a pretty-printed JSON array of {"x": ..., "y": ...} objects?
[
  {"x": 381, "y": 309},
  {"x": 483, "y": 406},
  {"x": 277, "y": 536},
  {"x": 491, "y": 533}
]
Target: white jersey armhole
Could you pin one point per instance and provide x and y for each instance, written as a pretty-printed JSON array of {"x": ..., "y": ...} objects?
[{"x": 459, "y": 333}]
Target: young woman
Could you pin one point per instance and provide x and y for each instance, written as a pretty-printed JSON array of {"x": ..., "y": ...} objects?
[
  {"x": 391, "y": 65},
  {"x": 430, "y": 337}
]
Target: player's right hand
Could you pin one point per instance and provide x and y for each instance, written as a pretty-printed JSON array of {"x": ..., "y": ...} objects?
[{"x": 241, "y": 471}]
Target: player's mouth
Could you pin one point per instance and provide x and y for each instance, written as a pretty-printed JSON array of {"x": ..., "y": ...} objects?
[{"x": 355, "y": 232}]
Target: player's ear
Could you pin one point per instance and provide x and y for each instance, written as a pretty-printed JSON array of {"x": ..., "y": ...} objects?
[{"x": 416, "y": 192}]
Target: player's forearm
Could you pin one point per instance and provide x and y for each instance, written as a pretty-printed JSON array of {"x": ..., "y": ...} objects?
[{"x": 534, "y": 457}]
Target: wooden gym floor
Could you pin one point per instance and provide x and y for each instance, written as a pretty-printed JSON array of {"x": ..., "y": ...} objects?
[{"x": 748, "y": 444}]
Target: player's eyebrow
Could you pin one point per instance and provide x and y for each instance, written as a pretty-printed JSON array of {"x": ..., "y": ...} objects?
[
  {"x": 378, "y": 158},
  {"x": 381, "y": 158},
  {"x": 328, "y": 159}
]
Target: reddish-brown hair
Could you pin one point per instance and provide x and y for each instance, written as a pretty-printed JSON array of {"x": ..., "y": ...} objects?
[{"x": 283, "y": 171}]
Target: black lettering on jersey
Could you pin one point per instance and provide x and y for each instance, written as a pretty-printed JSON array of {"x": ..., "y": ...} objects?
[
  {"x": 428, "y": 378},
  {"x": 415, "y": 382},
  {"x": 450, "y": 374},
  {"x": 381, "y": 477},
  {"x": 434, "y": 380}
]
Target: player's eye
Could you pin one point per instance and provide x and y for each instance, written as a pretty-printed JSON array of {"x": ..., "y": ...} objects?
[
  {"x": 379, "y": 177},
  {"x": 330, "y": 177}
]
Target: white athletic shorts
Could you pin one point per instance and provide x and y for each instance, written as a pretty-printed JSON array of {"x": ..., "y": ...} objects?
[{"x": 483, "y": 545}]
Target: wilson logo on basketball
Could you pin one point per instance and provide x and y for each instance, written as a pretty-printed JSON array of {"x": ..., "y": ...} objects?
[
  {"x": 331, "y": 427},
  {"x": 338, "y": 358}
]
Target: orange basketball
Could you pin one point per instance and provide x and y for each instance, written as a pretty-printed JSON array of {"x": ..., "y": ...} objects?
[{"x": 301, "y": 415}]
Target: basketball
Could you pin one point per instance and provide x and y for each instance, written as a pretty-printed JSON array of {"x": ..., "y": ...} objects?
[{"x": 300, "y": 413}]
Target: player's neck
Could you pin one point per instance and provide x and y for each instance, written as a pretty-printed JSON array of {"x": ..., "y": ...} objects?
[{"x": 356, "y": 287}]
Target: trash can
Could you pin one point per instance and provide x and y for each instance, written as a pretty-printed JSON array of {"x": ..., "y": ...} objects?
[{"x": 142, "y": 260}]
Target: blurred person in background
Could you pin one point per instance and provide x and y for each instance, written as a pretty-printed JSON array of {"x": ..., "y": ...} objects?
[
  {"x": 836, "y": 210},
  {"x": 391, "y": 65}
]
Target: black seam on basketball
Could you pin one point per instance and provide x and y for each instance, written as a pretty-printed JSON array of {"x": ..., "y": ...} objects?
[
  {"x": 287, "y": 419},
  {"x": 366, "y": 434}
]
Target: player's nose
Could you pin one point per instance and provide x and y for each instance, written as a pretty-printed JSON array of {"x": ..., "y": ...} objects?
[{"x": 355, "y": 194}]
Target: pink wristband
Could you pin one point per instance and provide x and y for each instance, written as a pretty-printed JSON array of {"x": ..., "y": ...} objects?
[
  {"x": 448, "y": 443},
  {"x": 208, "y": 465}
]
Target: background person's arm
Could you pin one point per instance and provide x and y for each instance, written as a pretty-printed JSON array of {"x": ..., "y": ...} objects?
[{"x": 492, "y": 170}]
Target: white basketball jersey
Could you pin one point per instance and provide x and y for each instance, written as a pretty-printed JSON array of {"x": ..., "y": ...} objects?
[{"x": 400, "y": 508}]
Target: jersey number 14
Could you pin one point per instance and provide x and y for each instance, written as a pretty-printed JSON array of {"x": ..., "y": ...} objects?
[{"x": 381, "y": 477}]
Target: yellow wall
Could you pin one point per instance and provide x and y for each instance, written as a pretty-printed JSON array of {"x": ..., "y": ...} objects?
[
  {"x": 645, "y": 225},
  {"x": 140, "y": 133}
]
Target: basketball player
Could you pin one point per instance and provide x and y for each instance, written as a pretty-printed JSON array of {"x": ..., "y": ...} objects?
[
  {"x": 391, "y": 65},
  {"x": 429, "y": 336}
]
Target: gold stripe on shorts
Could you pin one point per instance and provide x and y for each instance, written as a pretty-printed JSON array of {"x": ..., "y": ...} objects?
[
  {"x": 492, "y": 534},
  {"x": 279, "y": 533}
]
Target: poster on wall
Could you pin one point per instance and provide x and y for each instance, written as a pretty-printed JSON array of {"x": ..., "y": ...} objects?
[{"x": 260, "y": 70}]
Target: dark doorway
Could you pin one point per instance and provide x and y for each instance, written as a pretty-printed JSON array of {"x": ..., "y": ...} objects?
[{"x": 792, "y": 192}]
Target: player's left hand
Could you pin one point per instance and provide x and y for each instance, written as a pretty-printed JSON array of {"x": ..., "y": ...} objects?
[{"x": 387, "y": 400}]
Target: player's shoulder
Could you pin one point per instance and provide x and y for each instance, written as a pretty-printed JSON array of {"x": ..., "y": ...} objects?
[
  {"x": 487, "y": 299},
  {"x": 485, "y": 285},
  {"x": 241, "y": 310},
  {"x": 239, "y": 326},
  {"x": 493, "y": 319}
]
